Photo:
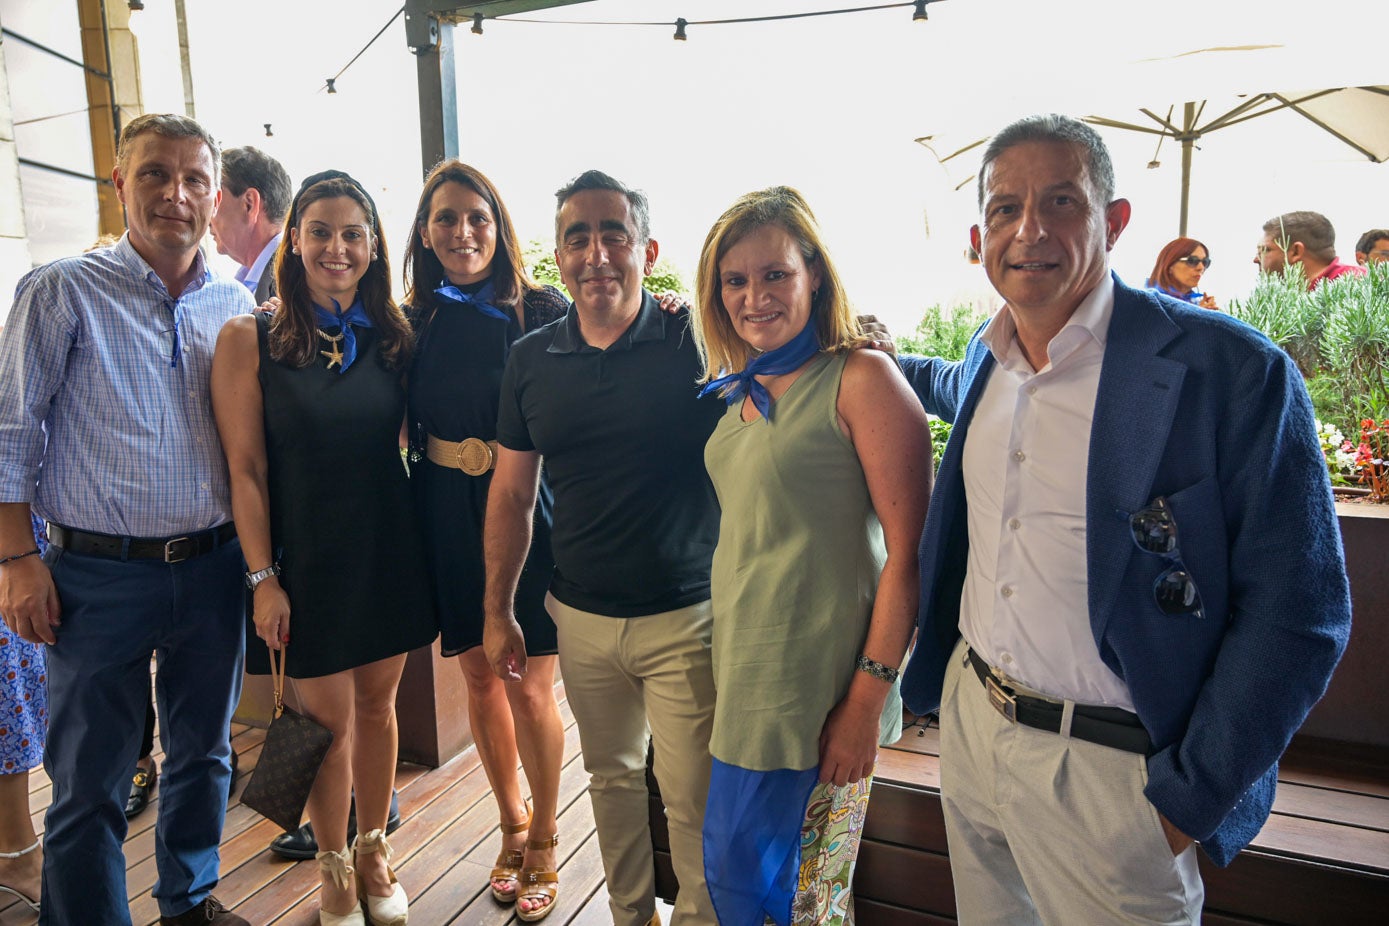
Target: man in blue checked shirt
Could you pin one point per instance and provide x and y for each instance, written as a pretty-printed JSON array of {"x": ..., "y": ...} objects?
[{"x": 106, "y": 432}]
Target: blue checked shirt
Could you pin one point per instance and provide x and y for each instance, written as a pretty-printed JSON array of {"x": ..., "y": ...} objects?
[{"x": 105, "y": 409}]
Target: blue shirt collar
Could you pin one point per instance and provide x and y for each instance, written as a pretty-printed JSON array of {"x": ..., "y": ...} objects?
[{"x": 139, "y": 268}]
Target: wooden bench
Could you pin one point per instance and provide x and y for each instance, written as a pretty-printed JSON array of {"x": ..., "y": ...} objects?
[{"x": 1322, "y": 858}]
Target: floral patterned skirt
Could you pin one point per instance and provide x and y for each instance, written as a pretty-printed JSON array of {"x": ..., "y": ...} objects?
[
  {"x": 23, "y": 697},
  {"x": 779, "y": 847}
]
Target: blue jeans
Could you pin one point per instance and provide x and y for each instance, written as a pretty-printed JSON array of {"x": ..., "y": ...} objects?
[{"x": 114, "y": 614}]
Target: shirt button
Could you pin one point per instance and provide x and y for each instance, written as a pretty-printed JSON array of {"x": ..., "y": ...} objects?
[
  {"x": 1006, "y": 659},
  {"x": 203, "y": 486},
  {"x": 1013, "y": 525},
  {"x": 1007, "y": 591},
  {"x": 1031, "y": 390},
  {"x": 1019, "y": 455}
]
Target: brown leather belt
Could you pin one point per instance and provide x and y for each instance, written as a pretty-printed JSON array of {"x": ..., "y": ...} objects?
[
  {"x": 474, "y": 456},
  {"x": 1107, "y": 726},
  {"x": 169, "y": 549}
]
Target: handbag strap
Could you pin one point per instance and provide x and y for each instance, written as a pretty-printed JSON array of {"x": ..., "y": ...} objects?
[{"x": 277, "y": 675}]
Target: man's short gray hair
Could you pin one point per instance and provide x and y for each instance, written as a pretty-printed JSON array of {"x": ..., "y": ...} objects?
[
  {"x": 1054, "y": 127},
  {"x": 1311, "y": 228},
  {"x": 169, "y": 125},
  {"x": 250, "y": 168},
  {"x": 597, "y": 180}
]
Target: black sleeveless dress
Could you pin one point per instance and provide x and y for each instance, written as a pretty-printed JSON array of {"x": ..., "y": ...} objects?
[
  {"x": 342, "y": 520},
  {"x": 455, "y": 386}
]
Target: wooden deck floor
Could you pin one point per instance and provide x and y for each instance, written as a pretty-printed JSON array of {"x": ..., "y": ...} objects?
[
  {"x": 445, "y": 849},
  {"x": 1331, "y": 820}
]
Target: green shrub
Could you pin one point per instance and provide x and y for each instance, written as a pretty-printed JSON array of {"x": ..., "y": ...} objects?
[
  {"x": 941, "y": 334},
  {"x": 1338, "y": 335}
]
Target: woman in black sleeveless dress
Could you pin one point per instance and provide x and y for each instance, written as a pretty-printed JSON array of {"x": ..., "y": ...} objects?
[
  {"x": 469, "y": 299},
  {"x": 309, "y": 404}
]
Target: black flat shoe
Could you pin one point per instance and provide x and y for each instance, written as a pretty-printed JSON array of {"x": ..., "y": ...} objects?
[
  {"x": 302, "y": 844},
  {"x": 141, "y": 787}
]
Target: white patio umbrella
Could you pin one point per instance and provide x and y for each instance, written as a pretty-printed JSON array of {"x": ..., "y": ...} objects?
[{"x": 1358, "y": 116}]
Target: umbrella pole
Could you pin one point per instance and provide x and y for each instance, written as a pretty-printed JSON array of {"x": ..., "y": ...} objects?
[{"x": 1188, "y": 140}]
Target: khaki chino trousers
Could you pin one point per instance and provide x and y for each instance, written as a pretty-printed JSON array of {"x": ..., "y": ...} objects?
[
  {"x": 625, "y": 678},
  {"x": 1049, "y": 829}
]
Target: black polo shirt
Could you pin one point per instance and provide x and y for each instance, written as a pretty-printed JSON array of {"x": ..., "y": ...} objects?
[{"x": 623, "y": 433}]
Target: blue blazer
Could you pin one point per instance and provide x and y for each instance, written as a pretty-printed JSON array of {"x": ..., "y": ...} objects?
[{"x": 1207, "y": 412}]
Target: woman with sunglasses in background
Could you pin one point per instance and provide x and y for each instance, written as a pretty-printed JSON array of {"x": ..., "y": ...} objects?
[{"x": 1178, "y": 271}]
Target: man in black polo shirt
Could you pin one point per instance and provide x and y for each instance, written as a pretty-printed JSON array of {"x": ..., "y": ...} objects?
[{"x": 607, "y": 396}]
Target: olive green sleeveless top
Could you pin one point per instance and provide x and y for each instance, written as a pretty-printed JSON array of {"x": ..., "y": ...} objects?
[{"x": 795, "y": 571}]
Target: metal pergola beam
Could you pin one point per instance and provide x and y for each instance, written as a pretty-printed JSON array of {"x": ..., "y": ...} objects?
[{"x": 429, "y": 28}]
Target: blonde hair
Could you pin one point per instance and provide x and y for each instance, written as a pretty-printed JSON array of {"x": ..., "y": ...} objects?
[{"x": 721, "y": 350}]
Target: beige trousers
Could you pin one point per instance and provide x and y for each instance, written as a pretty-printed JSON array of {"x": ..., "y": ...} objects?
[
  {"x": 1049, "y": 829},
  {"x": 625, "y": 677}
]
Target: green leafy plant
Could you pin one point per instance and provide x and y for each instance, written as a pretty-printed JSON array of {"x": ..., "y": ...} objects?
[
  {"x": 1338, "y": 335},
  {"x": 941, "y": 333},
  {"x": 540, "y": 263}
]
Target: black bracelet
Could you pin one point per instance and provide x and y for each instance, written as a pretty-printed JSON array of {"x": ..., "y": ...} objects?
[
  {"x": 11, "y": 559},
  {"x": 876, "y": 669}
]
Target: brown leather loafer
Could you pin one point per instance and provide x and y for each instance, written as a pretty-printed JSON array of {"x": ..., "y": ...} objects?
[{"x": 208, "y": 913}]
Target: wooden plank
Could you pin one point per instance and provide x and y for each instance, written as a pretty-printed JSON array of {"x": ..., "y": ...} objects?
[
  {"x": 1343, "y": 807},
  {"x": 905, "y": 877},
  {"x": 907, "y": 768},
  {"x": 877, "y": 913},
  {"x": 1318, "y": 840},
  {"x": 906, "y": 817},
  {"x": 1275, "y": 890}
]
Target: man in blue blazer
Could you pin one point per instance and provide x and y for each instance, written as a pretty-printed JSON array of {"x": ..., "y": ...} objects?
[{"x": 1132, "y": 583}]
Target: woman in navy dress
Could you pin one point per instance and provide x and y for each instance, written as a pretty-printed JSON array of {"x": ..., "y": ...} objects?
[
  {"x": 469, "y": 299},
  {"x": 309, "y": 405}
]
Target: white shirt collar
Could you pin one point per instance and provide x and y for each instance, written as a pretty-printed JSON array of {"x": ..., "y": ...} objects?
[
  {"x": 251, "y": 275},
  {"x": 1090, "y": 321}
]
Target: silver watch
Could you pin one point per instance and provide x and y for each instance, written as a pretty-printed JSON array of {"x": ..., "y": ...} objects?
[{"x": 260, "y": 575}]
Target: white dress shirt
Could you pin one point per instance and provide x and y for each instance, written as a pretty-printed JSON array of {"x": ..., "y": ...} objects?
[
  {"x": 250, "y": 276},
  {"x": 1024, "y": 607}
]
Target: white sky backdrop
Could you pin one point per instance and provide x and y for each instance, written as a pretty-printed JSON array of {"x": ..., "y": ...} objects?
[{"x": 829, "y": 104}]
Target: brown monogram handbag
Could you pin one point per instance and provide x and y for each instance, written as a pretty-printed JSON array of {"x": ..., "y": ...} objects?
[{"x": 294, "y": 749}]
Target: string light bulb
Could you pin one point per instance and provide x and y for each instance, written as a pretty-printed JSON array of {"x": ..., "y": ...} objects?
[
  {"x": 268, "y": 133},
  {"x": 919, "y": 14},
  {"x": 680, "y": 25},
  {"x": 332, "y": 85},
  {"x": 477, "y": 24}
]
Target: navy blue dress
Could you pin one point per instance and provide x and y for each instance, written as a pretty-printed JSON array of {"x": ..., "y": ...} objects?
[
  {"x": 455, "y": 386},
  {"x": 342, "y": 522}
]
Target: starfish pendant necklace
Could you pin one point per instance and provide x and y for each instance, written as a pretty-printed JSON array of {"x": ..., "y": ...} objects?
[{"x": 334, "y": 354}]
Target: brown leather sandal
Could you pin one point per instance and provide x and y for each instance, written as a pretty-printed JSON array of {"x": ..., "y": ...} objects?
[
  {"x": 509, "y": 862},
  {"x": 536, "y": 883}
]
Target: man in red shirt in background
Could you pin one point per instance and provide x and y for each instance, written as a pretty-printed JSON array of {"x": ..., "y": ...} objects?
[{"x": 1305, "y": 238}]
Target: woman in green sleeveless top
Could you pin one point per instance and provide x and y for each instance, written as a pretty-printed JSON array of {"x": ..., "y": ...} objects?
[{"x": 822, "y": 465}]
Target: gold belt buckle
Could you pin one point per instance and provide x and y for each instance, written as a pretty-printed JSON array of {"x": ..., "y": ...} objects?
[
  {"x": 475, "y": 456},
  {"x": 1001, "y": 700}
]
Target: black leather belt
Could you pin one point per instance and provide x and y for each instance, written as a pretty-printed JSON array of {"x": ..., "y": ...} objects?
[
  {"x": 168, "y": 549},
  {"x": 1108, "y": 726}
]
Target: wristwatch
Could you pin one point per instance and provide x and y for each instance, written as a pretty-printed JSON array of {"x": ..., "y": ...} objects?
[{"x": 260, "y": 575}]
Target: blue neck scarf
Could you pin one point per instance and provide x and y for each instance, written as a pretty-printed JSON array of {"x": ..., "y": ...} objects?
[
  {"x": 480, "y": 300},
  {"x": 355, "y": 315},
  {"x": 784, "y": 359}
]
